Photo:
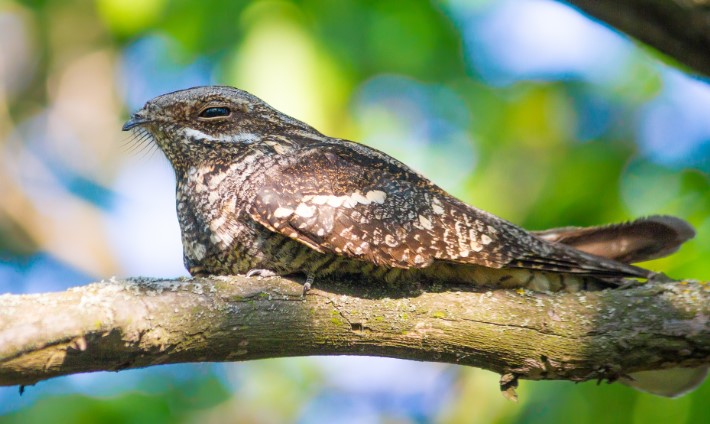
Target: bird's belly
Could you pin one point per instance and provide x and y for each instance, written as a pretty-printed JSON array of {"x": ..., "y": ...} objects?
[
  {"x": 254, "y": 247},
  {"x": 511, "y": 278}
]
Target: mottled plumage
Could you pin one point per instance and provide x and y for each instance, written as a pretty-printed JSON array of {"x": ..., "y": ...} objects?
[{"x": 258, "y": 190}]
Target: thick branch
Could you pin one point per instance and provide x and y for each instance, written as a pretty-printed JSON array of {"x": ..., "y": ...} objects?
[
  {"x": 137, "y": 323},
  {"x": 678, "y": 28}
]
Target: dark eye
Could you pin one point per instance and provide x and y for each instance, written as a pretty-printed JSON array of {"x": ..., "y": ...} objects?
[{"x": 215, "y": 112}]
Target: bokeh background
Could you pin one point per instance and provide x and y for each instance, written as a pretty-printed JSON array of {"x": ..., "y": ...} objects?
[{"x": 524, "y": 108}]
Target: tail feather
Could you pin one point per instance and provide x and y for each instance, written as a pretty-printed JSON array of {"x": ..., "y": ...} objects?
[
  {"x": 673, "y": 382},
  {"x": 636, "y": 241}
]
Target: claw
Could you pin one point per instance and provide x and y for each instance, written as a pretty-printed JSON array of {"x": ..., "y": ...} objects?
[
  {"x": 198, "y": 271},
  {"x": 261, "y": 273}
]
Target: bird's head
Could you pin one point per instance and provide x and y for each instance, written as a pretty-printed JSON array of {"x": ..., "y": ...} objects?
[{"x": 187, "y": 122}]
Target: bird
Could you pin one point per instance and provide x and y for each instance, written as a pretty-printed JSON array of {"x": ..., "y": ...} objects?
[{"x": 261, "y": 193}]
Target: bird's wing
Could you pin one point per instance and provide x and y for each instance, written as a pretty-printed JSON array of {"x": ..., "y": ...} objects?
[{"x": 357, "y": 202}]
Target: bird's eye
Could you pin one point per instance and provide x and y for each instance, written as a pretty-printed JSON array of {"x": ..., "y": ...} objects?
[{"x": 215, "y": 112}]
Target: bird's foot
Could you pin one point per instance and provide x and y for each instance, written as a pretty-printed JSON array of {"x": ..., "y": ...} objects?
[
  {"x": 307, "y": 285},
  {"x": 261, "y": 273},
  {"x": 659, "y": 277},
  {"x": 628, "y": 283},
  {"x": 198, "y": 271}
]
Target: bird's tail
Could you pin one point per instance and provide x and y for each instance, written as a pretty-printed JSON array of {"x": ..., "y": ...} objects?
[
  {"x": 630, "y": 242},
  {"x": 636, "y": 241}
]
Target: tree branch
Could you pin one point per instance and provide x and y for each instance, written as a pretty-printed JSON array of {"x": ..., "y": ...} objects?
[
  {"x": 136, "y": 323},
  {"x": 678, "y": 28}
]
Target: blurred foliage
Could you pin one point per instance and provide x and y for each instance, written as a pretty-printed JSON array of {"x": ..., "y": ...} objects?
[
  {"x": 599, "y": 133},
  {"x": 168, "y": 406}
]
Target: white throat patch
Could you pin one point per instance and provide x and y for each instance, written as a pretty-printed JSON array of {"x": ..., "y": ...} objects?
[{"x": 192, "y": 133}]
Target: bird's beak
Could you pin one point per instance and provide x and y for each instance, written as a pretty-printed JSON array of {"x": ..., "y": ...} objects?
[{"x": 136, "y": 119}]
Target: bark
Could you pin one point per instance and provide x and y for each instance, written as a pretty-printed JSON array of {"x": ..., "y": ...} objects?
[
  {"x": 678, "y": 28},
  {"x": 120, "y": 324}
]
